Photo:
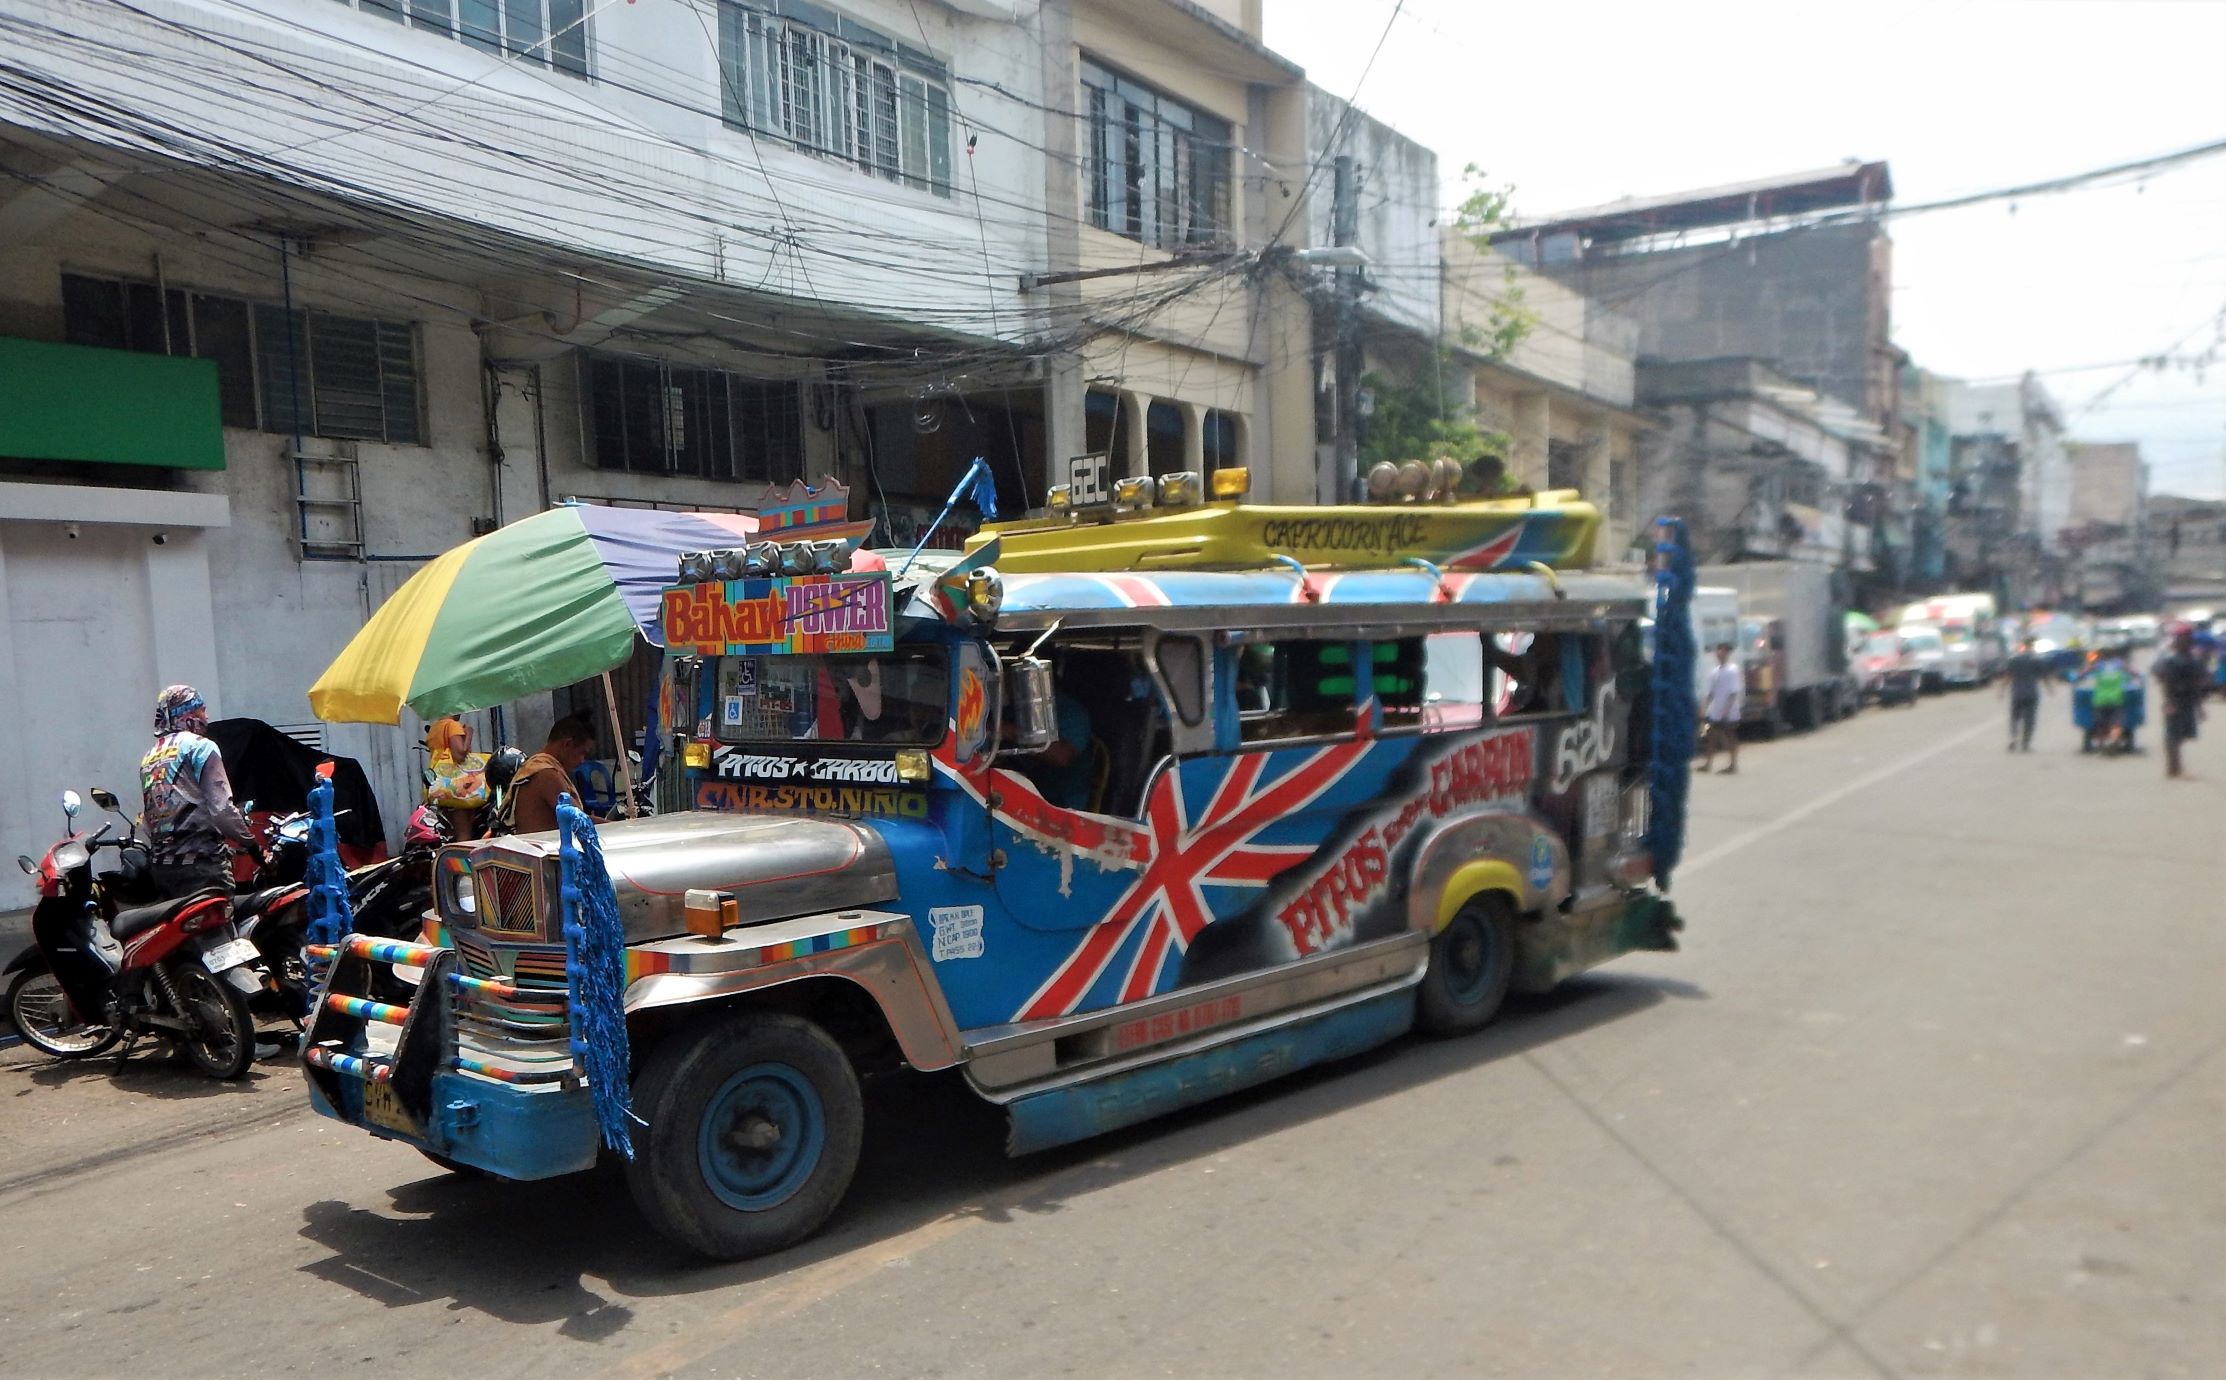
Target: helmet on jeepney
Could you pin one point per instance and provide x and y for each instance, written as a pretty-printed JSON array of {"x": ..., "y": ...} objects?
[{"x": 180, "y": 709}]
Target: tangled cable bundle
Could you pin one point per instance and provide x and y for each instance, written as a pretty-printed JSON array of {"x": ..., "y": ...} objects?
[
  {"x": 1669, "y": 774},
  {"x": 595, "y": 957}
]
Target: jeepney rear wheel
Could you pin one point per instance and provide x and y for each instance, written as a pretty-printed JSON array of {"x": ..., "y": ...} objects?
[
  {"x": 1471, "y": 963},
  {"x": 754, "y": 1125}
]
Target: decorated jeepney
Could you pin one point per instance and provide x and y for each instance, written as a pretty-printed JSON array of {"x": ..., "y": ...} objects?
[{"x": 1123, "y": 808}]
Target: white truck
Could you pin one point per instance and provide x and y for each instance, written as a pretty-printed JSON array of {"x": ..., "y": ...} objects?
[
  {"x": 1973, "y": 650},
  {"x": 1793, "y": 643}
]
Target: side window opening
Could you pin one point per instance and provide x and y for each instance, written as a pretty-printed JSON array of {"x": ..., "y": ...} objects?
[
  {"x": 1397, "y": 672},
  {"x": 1456, "y": 691},
  {"x": 1538, "y": 673},
  {"x": 1113, "y": 724},
  {"x": 1295, "y": 689}
]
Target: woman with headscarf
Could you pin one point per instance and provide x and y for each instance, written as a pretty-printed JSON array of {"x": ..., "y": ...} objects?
[{"x": 186, "y": 800}]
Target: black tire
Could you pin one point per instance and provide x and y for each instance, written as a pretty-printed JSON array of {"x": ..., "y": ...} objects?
[
  {"x": 1471, "y": 963},
  {"x": 32, "y": 1010},
  {"x": 221, "y": 1042},
  {"x": 780, "y": 1081}
]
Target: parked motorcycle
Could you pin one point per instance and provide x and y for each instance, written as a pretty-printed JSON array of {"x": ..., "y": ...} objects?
[
  {"x": 106, "y": 963},
  {"x": 386, "y": 899}
]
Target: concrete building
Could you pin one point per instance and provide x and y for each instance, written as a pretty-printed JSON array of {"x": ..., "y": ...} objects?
[
  {"x": 306, "y": 293},
  {"x": 2109, "y": 538},
  {"x": 1927, "y": 460},
  {"x": 2010, "y": 500},
  {"x": 1791, "y": 273},
  {"x": 1174, "y": 162},
  {"x": 1763, "y": 468},
  {"x": 1558, "y": 403}
]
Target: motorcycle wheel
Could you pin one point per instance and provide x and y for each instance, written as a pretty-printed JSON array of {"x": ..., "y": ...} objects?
[
  {"x": 40, "y": 1012},
  {"x": 221, "y": 1041}
]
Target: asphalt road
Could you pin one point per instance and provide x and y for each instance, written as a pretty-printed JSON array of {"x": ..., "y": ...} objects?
[{"x": 1936, "y": 1088}]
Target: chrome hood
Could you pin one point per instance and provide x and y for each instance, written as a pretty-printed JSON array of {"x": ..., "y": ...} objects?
[{"x": 775, "y": 866}]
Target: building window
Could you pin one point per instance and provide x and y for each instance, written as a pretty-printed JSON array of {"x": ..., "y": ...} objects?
[
  {"x": 343, "y": 377},
  {"x": 1221, "y": 440},
  {"x": 832, "y": 86},
  {"x": 552, "y": 33},
  {"x": 1158, "y": 169},
  {"x": 653, "y": 418},
  {"x": 1163, "y": 438}
]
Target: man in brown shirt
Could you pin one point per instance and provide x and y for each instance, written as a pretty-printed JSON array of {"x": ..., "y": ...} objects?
[{"x": 548, "y": 774}]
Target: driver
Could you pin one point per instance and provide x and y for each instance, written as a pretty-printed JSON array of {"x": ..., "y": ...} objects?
[{"x": 186, "y": 800}]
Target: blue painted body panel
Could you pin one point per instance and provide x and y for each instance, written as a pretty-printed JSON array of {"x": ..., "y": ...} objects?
[
  {"x": 1065, "y": 1115},
  {"x": 515, "y": 1133}
]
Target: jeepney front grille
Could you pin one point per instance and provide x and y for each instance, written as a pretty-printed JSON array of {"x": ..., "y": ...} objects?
[{"x": 508, "y": 895}]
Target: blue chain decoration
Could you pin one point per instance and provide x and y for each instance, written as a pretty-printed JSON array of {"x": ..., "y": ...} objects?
[
  {"x": 1670, "y": 772},
  {"x": 331, "y": 918},
  {"x": 595, "y": 957}
]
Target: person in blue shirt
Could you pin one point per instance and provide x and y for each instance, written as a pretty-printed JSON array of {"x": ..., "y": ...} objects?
[{"x": 1062, "y": 770}]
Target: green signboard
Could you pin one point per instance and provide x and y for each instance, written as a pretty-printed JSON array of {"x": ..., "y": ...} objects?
[{"x": 110, "y": 407}]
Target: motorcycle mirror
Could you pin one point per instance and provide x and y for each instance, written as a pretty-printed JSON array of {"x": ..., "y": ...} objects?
[
  {"x": 104, "y": 797},
  {"x": 23, "y": 860},
  {"x": 71, "y": 803}
]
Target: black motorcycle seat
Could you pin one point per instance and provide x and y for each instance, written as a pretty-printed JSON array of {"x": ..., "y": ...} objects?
[
  {"x": 251, "y": 904},
  {"x": 139, "y": 919}
]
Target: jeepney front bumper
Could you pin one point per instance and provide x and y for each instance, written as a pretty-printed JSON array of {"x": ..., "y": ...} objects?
[{"x": 471, "y": 1070}]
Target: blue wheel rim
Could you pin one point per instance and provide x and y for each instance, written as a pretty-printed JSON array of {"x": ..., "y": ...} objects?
[
  {"x": 1469, "y": 958},
  {"x": 761, "y": 1136}
]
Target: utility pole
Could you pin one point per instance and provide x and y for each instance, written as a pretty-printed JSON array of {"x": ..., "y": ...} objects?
[{"x": 1344, "y": 229}]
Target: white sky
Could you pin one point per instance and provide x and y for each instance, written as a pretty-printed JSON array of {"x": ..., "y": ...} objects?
[{"x": 1581, "y": 104}]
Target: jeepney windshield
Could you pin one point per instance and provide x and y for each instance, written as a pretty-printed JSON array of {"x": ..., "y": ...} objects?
[{"x": 900, "y": 697}]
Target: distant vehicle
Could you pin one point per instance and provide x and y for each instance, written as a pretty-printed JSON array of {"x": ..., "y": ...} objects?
[
  {"x": 1793, "y": 645},
  {"x": 2140, "y": 630},
  {"x": 1926, "y": 654},
  {"x": 1970, "y": 633},
  {"x": 1884, "y": 669},
  {"x": 2062, "y": 638}
]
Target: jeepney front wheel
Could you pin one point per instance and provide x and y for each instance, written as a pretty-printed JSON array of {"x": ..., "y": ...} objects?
[
  {"x": 753, "y": 1134},
  {"x": 1471, "y": 962}
]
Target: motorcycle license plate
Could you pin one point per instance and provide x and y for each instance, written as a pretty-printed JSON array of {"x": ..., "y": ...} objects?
[{"x": 230, "y": 954}]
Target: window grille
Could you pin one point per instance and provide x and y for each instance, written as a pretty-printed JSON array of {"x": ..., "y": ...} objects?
[
  {"x": 835, "y": 87},
  {"x": 1158, "y": 170},
  {"x": 652, "y": 418},
  {"x": 550, "y": 33},
  {"x": 323, "y": 374}
]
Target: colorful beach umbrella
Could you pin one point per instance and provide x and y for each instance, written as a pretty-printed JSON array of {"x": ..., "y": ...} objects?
[{"x": 545, "y": 602}]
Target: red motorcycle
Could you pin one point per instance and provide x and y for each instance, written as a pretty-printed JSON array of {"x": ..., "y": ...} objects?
[{"x": 107, "y": 963}]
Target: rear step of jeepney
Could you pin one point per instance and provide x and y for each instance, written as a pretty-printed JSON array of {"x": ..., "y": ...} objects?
[{"x": 374, "y": 1059}]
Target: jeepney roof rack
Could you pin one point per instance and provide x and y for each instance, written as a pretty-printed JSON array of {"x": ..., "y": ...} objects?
[{"x": 1415, "y": 519}]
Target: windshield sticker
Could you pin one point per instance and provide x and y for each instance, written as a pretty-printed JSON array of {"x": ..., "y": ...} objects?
[
  {"x": 787, "y": 616},
  {"x": 733, "y": 714},
  {"x": 958, "y": 932},
  {"x": 745, "y": 677},
  {"x": 734, "y": 765}
]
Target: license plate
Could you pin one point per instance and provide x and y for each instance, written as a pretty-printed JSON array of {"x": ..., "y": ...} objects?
[
  {"x": 382, "y": 1106},
  {"x": 230, "y": 954}
]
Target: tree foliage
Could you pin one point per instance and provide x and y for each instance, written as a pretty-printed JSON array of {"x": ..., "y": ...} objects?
[{"x": 1484, "y": 209}]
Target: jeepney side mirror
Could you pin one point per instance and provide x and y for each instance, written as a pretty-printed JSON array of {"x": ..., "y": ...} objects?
[{"x": 1035, "y": 717}]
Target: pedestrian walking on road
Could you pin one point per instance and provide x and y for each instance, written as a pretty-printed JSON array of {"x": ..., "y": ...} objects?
[
  {"x": 1720, "y": 709},
  {"x": 2179, "y": 674},
  {"x": 2024, "y": 676}
]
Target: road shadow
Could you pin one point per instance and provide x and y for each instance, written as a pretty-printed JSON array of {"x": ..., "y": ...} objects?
[
  {"x": 522, "y": 1253},
  {"x": 159, "y": 1071}
]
